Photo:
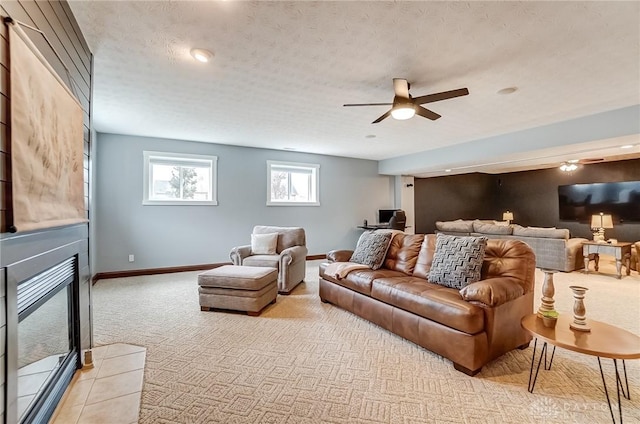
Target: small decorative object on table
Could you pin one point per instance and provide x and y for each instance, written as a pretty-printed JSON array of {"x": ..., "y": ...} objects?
[
  {"x": 579, "y": 311},
  {"x": 550, "y": 318},
  {"x": 548, "y": 290}
]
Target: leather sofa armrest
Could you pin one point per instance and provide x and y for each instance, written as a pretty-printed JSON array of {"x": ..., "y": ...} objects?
[
  {"x": 293, "y": 254},
  {"x": 238, "y": 253},
  {"x": 339, "y": 255},
  {"x": 493, "y": 291}
]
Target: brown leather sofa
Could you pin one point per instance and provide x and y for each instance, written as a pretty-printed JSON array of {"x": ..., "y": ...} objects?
[{"x": 470, "y": 327}]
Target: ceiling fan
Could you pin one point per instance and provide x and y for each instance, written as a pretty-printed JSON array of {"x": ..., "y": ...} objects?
[{"x": 404, "y": 106}]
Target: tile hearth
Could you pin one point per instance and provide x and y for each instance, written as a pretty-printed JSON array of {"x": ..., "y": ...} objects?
[{"x": 107, "y": 393}]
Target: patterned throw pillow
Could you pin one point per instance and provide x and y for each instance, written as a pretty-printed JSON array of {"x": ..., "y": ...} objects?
[
  {"x": 457, "y": 261},
  {"x": 371, "y": 249}
]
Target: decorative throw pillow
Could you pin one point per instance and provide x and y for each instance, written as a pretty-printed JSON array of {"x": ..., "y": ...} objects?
[
  {"x": 371, "y": 248},
  {"x": 264, "y": 244},
  {"x": 457, "y": 261}
]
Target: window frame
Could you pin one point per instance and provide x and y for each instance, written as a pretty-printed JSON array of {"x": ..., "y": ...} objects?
[
  {"x": 148, "y": 157},
  {"x": 314, "y": 171}
]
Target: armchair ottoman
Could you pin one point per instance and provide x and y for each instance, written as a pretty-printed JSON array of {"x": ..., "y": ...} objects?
[{"x": 238, "y": 288}]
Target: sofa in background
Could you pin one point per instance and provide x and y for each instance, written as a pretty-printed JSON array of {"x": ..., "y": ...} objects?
[
  {"x": 553, "y": 247},
  {"x": 471, "y": 326},
  {"x": 288, "y": 255}
]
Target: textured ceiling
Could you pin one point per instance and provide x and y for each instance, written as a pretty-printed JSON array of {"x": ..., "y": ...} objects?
[{"x": 282, "y": 70}]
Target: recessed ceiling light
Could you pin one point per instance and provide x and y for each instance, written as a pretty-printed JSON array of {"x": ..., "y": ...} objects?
[
  {"x": 370, "y": 136},
  {"x": 201, "y": 55},
  {"x": 447, "y": 170},
  {"x": 508, "y": 90},
  {"x": 627, "y": 146}
]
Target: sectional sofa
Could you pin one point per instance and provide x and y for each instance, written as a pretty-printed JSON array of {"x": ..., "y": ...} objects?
[
  {"x": 470, "y": 326},
  {"x": 553, "y": 247}
]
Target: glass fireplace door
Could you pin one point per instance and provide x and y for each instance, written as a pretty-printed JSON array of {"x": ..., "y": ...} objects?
[{"x": 46, "y": 343}]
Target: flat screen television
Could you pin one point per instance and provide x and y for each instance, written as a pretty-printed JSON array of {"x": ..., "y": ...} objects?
[
  {"x": 577, "y": 202},
  {"x": 384, "y": 215}
]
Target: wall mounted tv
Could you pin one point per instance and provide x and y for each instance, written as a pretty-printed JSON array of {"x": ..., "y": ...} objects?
[{"x": 578, "y": 202}]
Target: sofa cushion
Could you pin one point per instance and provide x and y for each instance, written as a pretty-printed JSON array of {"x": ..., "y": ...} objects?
[
  {"x": 556, "y": 233},
  {"x": 457, "y": 260},
  {"x": 264, "y": 244},
  {"x": 459, "y": 225},
  {"x": 425, "y": 256},
  {"x": 431, "y": 301},
  {"x": 371, "y": 249},
  {"x": 360, "y": 280},
  {"x": 403, "y": 252},
  {"x": 272, "y": 261},
  {"x": 484, "y": 228}
]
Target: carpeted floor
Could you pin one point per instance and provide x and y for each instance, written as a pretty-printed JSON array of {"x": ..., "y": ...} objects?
[{"x": 303, "y": 361}]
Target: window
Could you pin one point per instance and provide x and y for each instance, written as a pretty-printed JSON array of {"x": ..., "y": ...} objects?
[
  {"x": 292, "y": 184},
  {"x": 179, "y": 179}
]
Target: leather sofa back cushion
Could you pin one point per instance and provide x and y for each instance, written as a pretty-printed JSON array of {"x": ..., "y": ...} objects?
[
  {"x": 561, "y": 233},
  {"x": 459, "y": 225},
  {"x": 484, "y": 228},
  {"x": 510, "y": 258},
  {"x": 425, "y": 257},
  {"x": 403, "y": 252},
  {"x": 287, "y": 236}
]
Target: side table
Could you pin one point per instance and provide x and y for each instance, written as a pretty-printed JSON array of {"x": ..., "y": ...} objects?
[
  {"x": 603, "y": 341},
  {"x": 621, "y": 251}
]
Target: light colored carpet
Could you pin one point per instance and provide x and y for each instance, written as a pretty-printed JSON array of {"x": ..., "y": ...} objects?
[{"x": 303, "y": 361}]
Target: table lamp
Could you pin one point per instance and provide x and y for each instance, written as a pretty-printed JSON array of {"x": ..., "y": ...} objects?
[
  {"x": 507, "y": 216},
  {"x": 599, "y": 223}
]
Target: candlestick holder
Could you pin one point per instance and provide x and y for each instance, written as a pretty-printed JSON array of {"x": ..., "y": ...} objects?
[
  {"x": 548, "y": 290},
  {"x": 579, "y": 311}
]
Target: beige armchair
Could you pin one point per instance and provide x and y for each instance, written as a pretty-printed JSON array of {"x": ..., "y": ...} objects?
[{"x": 289, "y": 258}]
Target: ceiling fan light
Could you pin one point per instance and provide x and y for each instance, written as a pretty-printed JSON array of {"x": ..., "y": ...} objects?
[{"x": 403, "y": 112}]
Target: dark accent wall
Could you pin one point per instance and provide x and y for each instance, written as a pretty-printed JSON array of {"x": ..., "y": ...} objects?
[
  {"x": 466, "y": 196},
  {"x": 532, "y": 196},
  {"x": 56, "y": 20}
]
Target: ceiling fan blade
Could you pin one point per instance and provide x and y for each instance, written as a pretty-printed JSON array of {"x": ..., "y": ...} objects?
[
  {"x": 401, "y": 87},
  {"x": 426, "y": 113},
  {"x": 386, "y": 115},
  {"x": 436, "y": 97},
  {"x": 368, "y": 104}
]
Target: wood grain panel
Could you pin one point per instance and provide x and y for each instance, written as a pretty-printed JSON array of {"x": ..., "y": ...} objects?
[
  {"x": 76, "y": 28},
  {"x": 5, "y": 192},
  {"x": 5, "y": 146},
  {"x": 55, "y": 32},
  {"x": 4, "y": 80},
  {"x": 4, "y": 108},
  {"x": 4, "y": 53},
  {"x": 5, "y": 168},
  {"x": 55, "y": 8}
]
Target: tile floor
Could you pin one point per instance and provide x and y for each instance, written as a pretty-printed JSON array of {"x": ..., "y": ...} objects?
[{"x": 109, "y": 392}]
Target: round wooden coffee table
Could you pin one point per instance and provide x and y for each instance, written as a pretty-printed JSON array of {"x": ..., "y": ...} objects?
[{"x": 603, "y": 341}]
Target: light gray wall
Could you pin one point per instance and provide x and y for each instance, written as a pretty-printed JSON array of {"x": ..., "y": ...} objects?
[{"x": 164, "y": 236}]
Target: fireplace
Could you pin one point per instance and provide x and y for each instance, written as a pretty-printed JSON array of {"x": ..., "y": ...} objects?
[{"x": 47, "y": 339}]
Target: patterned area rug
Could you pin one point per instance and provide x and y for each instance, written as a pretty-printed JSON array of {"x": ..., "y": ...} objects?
[{"x": 303, "y": 361}]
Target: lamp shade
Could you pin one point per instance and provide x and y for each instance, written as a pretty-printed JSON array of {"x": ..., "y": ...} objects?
[
  {"x": 601, "y": 221},
  {"x": 507, "y": 216}
]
